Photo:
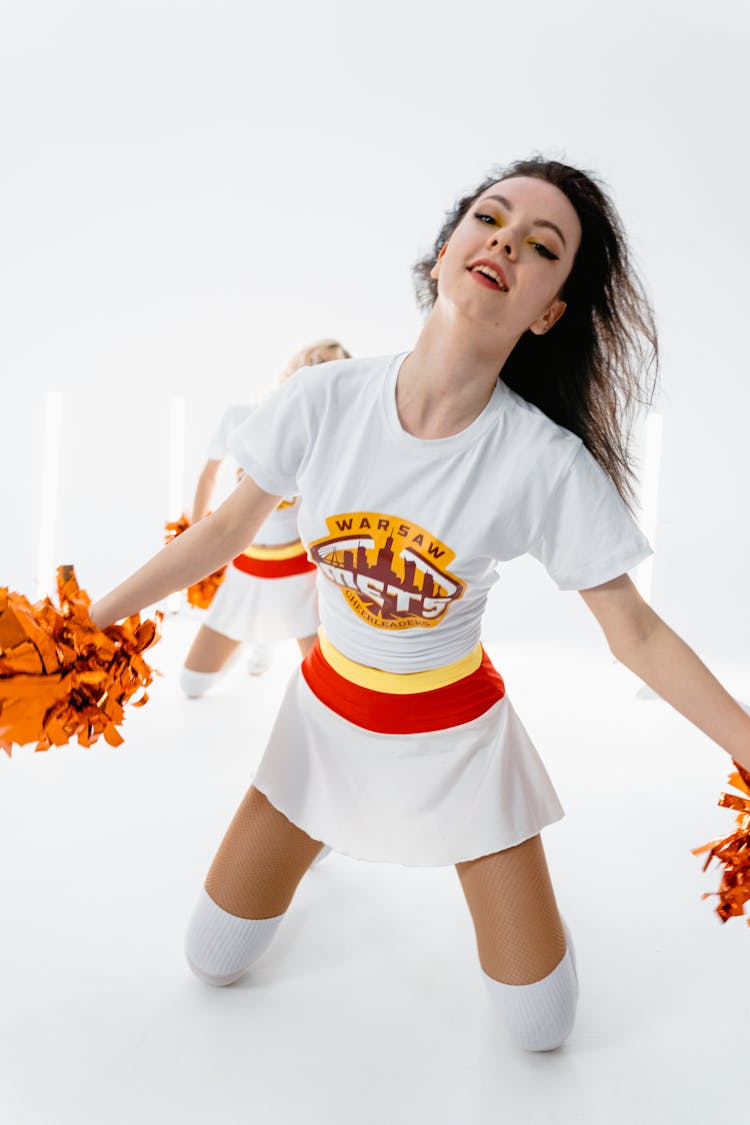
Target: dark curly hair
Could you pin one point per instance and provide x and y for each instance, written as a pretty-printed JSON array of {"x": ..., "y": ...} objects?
[{"x": 599, "y": 363}]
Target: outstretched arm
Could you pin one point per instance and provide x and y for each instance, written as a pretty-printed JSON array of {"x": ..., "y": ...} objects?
[
  {"x": 201, "y": 549},
  {"x": 204, "y": 489},
  {"x": 641, "y": 641}
]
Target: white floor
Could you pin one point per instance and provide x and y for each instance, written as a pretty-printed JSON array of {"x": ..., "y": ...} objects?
[{"x": 369, "y": 1008}]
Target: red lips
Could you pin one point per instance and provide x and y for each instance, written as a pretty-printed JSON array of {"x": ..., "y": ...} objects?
[{"x": 482, "y": 278}]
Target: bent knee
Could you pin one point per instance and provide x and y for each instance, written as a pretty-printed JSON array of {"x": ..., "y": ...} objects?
[
  {"x": 539, "y": 1016},
  {"x": 220, "y": 947},
  {"x": 196, "y": 684}
]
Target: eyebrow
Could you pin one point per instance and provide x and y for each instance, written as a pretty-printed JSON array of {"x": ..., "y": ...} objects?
[{"x": 537, "y": 222}]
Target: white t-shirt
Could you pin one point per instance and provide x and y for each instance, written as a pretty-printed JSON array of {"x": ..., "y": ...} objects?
[
  {"x": 281, "y": 525},
  {"x": 407, "y": 532}
]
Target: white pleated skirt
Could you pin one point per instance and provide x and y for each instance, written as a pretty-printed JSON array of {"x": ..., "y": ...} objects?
[
  {"x": 247, "y": 608},
  {"x": 421, "y": 800}
]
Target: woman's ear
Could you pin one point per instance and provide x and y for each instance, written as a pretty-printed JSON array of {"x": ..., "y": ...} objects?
[
  {"x": 436, "y": 268},
  {"x": 549, "y": 318}
]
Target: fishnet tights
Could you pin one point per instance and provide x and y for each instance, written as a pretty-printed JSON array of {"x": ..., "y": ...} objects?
[
  {"x": 520, "y": 935},
  {"x": 261, "y": 860}
]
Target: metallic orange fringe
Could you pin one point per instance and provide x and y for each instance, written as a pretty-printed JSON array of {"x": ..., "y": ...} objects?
[
  {"x": 61, "y": 676},
  {"x": 733, "y": 852},
  {"x": 200, "y": 594}
]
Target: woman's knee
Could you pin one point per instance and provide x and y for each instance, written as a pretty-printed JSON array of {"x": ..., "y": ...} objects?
[
  {"x": 220, "y": 947},
  {"x": 196, "y": 684},
  {"x": 248, "y": 889},
  {"x": 539, "y": 1016},
  {"x": 524, "y": 946}
]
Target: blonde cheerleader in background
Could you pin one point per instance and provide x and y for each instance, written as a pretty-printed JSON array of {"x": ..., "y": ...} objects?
[
  {"x": 501, "y": 433},
  {"x": 268, "y": 593}
]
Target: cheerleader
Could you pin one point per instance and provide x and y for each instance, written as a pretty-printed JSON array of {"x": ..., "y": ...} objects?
[
  {"x": 268, "y": 592},
  {"x": 502, "y": 432}
]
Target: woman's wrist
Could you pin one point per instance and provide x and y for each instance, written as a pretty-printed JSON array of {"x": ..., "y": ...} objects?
[
  {"x": 100, "y": 615},
  {"x": 96, "y": 615}
]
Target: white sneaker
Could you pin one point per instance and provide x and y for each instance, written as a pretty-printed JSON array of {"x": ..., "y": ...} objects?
[{"x": 258, "y": 659}]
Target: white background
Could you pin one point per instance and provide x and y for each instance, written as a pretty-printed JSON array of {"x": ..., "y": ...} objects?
[{"x": 190, "y": 190}]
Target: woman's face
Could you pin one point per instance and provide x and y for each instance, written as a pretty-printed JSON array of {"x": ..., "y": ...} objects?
[{"x": 507, "y": 260}]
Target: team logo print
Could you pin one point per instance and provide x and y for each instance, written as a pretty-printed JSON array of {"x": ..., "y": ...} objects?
[
  {"x": 287, "y": 503},
  {"x": 391, "y": 572}
]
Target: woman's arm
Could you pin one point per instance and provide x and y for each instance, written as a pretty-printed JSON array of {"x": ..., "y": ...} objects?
[
  {"x": 641, "y": 641},
  {"x": 201, "y": 549},
  {"x": 204, "y": 489}
]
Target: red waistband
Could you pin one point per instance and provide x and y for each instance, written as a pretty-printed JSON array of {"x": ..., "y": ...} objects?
[
  {"x": 423, "y": 711},
  {"x": 274, "y": 568}
]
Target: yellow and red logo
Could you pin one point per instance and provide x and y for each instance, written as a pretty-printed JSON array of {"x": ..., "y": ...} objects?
[{"x": 391, "y": 572}]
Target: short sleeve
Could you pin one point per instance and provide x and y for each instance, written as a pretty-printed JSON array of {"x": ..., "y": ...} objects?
[
  {"x": 271, "y": 443},
  {"x": 587, "y": 535},
  {"x": 233, "y": 416}
]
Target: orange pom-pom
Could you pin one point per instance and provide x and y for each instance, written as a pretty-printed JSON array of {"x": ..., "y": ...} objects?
[
  {"x": 63, "y": 677},
  {"x": 200, "y": 594},
  {"x": 733, "y": 852},
  {"x": 176, "y": 527}
]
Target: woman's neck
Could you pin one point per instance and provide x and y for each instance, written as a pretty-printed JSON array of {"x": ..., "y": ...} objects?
[{"x": 448, "y": 379}]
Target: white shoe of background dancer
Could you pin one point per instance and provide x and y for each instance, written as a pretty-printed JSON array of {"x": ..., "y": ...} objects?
[{"x": 259, "y": 658}]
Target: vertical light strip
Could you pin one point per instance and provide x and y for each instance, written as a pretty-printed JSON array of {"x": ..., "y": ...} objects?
[
  {"x": 176, "y": 469},
  {"x": 650, "y": 497},
  {"x": 51, "y": 434}
]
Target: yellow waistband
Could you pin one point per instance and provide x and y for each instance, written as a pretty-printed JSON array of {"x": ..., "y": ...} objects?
[
  {"x": 398, "y": 683},
  {"x": 285, "y": 551}
]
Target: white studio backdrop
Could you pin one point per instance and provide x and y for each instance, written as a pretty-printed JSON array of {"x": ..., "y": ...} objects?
[{"x": 192, "y": 190}]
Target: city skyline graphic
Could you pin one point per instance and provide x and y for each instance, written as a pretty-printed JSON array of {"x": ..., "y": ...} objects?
[{"x": 391, "y": 580}]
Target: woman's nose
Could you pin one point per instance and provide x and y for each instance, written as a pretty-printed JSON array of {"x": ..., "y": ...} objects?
[{"x": 505, "y": 241}]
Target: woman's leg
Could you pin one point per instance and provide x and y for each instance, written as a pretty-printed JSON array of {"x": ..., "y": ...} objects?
[
  {"x": 523, "y": 945},
  {"x": 207, "y": 657},
  {"x": 249, "y": 886},
  {"x": 305, "y": 644}
]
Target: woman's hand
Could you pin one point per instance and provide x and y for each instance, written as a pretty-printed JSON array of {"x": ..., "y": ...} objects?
[
  {"x": 646, "y": 645},
  {"x": 199, "y": 551}
]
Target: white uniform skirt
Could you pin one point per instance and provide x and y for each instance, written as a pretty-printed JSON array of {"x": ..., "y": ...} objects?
[
  {"x": 248, "y": 608},
  {"x": 418, "y": 799}
]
